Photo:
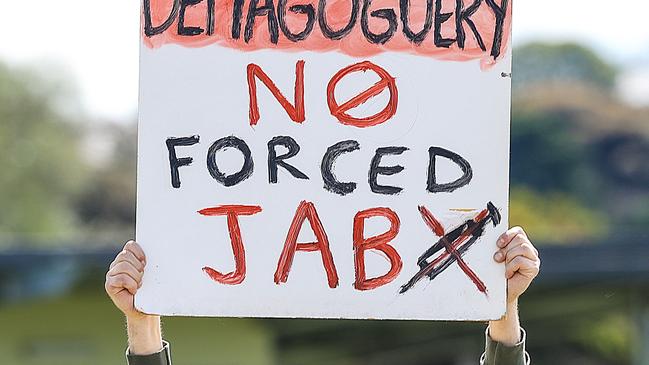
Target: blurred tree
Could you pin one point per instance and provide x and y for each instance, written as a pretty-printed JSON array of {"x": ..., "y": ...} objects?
[
  {"x": 610, "y": 335},
  {"x": 555, "y": 217},
  {"x": 585, "y": 145},
  {"x": 41, "y": 167},
  {"x": 544, "y": 152},
  {"x": 624, "y": 159},
  {"x": 107, "y": 204},
  {"x": 563, "y": 62},
  {"x": 575, "y": 146}
]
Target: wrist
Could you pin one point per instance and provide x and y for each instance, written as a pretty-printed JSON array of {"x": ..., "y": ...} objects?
[
  {"x": 512, "y": 308},
  {"x": 507, "y": 330},
  {"x": 144, "y": 334}
]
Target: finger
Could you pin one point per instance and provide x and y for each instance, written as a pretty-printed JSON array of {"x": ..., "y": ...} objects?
[
  {"x": 518, "y": 240},
  {"x": 133, "y": 247},
  {"x": 113, "y": 263},
  {"x": 523, "y": 265},
  {"x": 531, "y": 246},
  {"x": 127, "y": 268},
  {"x": 525, "y": 249},
  {"x": 501, "y": 255},
  {"x": 114, "y": 284},
  {"x": 129, "y": 256},
  {"x": 506, "y": 237}
]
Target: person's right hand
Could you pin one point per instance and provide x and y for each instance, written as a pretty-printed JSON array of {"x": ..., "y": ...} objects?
[{"x": 124, "y": 278}]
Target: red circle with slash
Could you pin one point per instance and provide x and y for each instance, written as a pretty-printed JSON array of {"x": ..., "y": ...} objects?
[{"x": 340, "y": 110}]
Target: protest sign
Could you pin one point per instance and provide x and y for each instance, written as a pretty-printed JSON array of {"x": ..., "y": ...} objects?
[{"x": 329, "y": 159}]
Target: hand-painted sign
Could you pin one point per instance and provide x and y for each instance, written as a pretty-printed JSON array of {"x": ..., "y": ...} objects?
[{"x": 324, "y": 158}]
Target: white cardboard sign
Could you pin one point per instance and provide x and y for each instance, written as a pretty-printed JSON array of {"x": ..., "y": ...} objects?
[{"x": 324, "y": 158}]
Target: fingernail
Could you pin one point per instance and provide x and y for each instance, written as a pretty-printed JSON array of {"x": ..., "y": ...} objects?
[{"x": 498, "y": 256}]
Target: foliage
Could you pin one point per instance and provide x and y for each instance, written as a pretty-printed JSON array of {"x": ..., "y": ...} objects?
[
  {"x": 544, "y": 152},
  {"x": 106, "y": 205},
  {"x": 610, "y": 335},
  {"x": 546, "y": 62},
  {"x": 40, "y": 159},
  {"x": 559, "y": 150},
  {"x": 555, "y": 217},
  {"x": 575, "y": 144}
]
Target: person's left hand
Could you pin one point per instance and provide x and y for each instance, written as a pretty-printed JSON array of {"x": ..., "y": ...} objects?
[{"x": 522, "y": 262}]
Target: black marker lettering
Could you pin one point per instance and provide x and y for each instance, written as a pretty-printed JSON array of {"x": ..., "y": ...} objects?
[
  {"x": 174, "y": 161},
  {"x": 267, "y": 10},
  {"x": 387, "y": 14},
  {"x": 461, "y": 15},
  {"x": 246, "y": 169},
  {"x": 210, "y": 17},
  {"x": 376, "y": 169},
  {"x": 416, "y": 38},
  {"x": 326, "y": 167},
  {"x": 440, "y": 18},
  {"x": 236, "y": 19},
  {"x": 336, "y": 34},
  {"x": 274, "y": 160},
  {"x": 306, "y": 9},
  {"x": 182, "y": 29},
  {"x": 500, "y": 12},
  {"x": 149, "y": 29},
  {"x": 433, "y": 185}
]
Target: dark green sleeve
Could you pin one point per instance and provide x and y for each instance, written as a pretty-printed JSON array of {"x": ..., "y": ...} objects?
[
  {"x": 498, "y": 354},
  {"x": 160, "y": 358}
]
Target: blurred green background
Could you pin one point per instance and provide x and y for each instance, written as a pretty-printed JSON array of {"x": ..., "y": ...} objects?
[{"x": 580, "y": 187}]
